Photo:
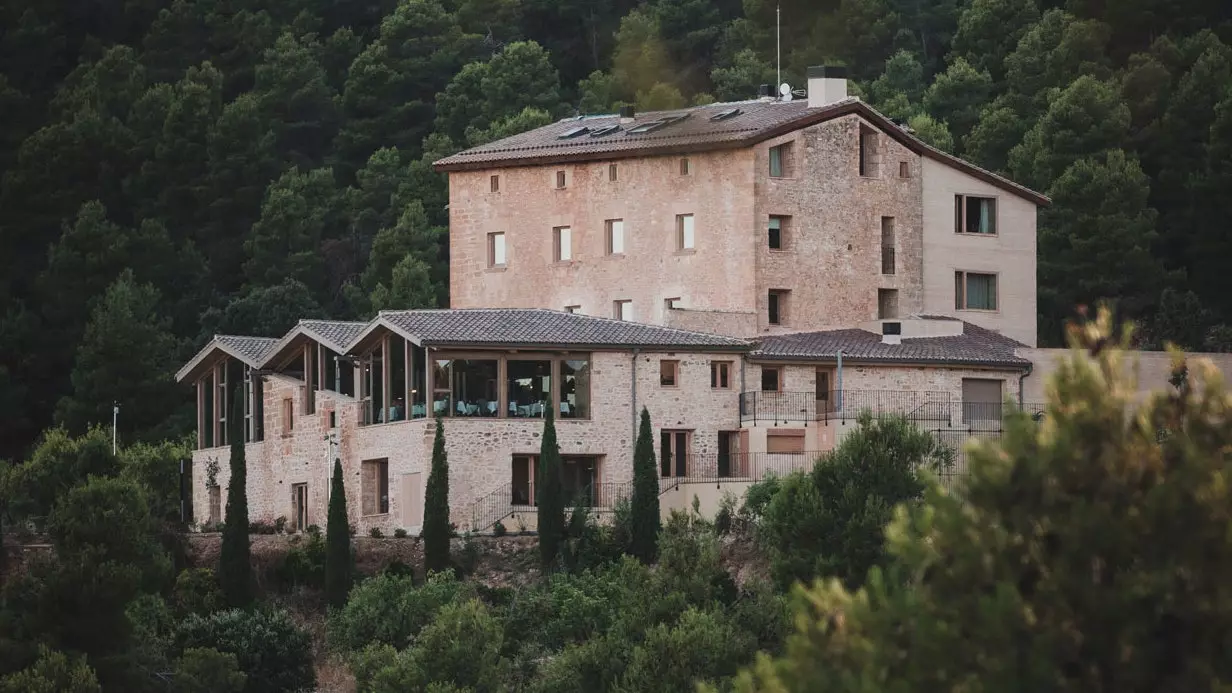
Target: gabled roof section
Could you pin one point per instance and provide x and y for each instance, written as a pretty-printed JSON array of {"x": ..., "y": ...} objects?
[
  {"x": 251, "y": 351},
  {"x": 976, "y": 347},
  {"x": 535, "y": 327},
  {"x": 334, "y": 334},
  {"x": 756, "y": 121}
]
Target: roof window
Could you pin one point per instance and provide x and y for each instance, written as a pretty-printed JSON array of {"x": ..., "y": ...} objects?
[
  {"x": 726, "y": 115},
  {"x": 605, "y": 130},
  {"x": 649, "y": 126},
  {"x": 575, "y": 132}
]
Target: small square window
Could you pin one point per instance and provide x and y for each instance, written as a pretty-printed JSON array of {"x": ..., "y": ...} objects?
[
  {"x": 573, "y": 309},
  {"x": 977, "y": 215},
  {"x": 670, "y": 303},
  {"x": 560, "y": 180},
  {"x": 495, "y": 182},
  {"x": 975, "y": 291},
  {"x": 623, "y": 309},
  {"x": 612, "y": 173},
  {"x": 776, "y": 309},
  {"x": 669, "y": 372},
  {"x": 887, "y": 304},
  {"x": 770, "y": 378},
  {"x": 781, "y": 162},
  {"x": 777, "y": 236},
  {"x": 686, "y": 167},
  {"x": 615, "y": 233},
  {"x": 684, "y": 232},
  {"x": 496, "y": 250},
  {"x": 563, "y": 241},
  {"x": 720, "y": 375},
  {"x": 904, "y": 169}
]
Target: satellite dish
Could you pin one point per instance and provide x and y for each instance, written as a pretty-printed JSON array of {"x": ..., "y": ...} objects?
[{"x": 785, "y": 91}]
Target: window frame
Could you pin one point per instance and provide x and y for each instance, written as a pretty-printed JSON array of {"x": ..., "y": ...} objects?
[
  {"x": 784, "y": 152},
  {"x": 609, "y": 232},
  {"x": 686, "y": 166},
  {"x": 503, "y": 255},
  {"x": 613, "y": 173},
  {"x": 794, "y": 435},
  {"x": 618, "y": 307},
  {"x": 776, "y": 306},
  {"x": 686, "y": 230},
  {"x": 573, "y": 310},
  {"x": 494, "y": 183},
  {"x": 288, "y": 416},
  {"x": 778, "y": 378},
  {"x": 562, "y": 241},
  {"x": 669, "y": 373},
  {"x": 961, "y": 292},
  {"x": 784, "y": 221},
  {"x": 720, "y": 372},
  {"x": 562, "y": 179},
  {"x": 884, "y": 295},
  {"x": 960, "y": 216},
  {"x": 382, "y": 483}
]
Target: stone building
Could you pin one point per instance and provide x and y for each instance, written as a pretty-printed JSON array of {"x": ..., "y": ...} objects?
[{"x": 754, "y": 274}]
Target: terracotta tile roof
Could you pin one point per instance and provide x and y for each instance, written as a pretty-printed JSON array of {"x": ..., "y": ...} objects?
[
  {"x": 252, "y": 351},
  {"x": 548, "y": 328},
  {"x": 976, "y": 346},
  {"x": 697, "y": 131},
  {"x": 335, "y": 334}
]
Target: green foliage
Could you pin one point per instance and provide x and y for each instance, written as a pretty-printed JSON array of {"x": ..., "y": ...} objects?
[
  {"x": 436, "y": 525},
  {"x": 831, "y": 522},
  {"x": 156, "y": 467},
  {"x": 644, "y": 513},
  {"x": 234, "y": 562},
  {"x": 306, "y": 563},
  {"x": 702, "y": 646},
  {"x": 59, "y": 463},
  {"x": 273, "y": 653},
  {"x": 1067, "y": 538},
  {"x": 392, "y": 610},
  {"x": 550, "y": 495},
  {"x": 339, "y": 563},
  {"x": 205, "y": 670},
  {"x": 197, "y": 592},
  {"x": 54, "y": 672}
]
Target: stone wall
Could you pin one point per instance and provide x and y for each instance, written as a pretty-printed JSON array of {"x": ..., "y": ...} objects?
[
  {"x": 1152, "y": 369},
  {"x": 724, "y": 322}
]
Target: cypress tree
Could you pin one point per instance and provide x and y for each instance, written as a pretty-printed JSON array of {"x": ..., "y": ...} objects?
[
  {"x": 436, "y": 528},
  {"x": 644, "y": 532},
  {"x": 550, "y": 495},
  {"x": 337, "y": 543},
  {"x": 235, "y": 567}
]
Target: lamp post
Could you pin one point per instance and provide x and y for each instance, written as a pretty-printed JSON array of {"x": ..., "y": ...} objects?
[{"x": 115, "y": 414}]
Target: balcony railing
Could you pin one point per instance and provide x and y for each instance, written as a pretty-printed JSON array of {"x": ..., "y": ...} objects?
[{"x": 843, "y": 405}]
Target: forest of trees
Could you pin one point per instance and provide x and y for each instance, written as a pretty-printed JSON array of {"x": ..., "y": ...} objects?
[{"x": 178, "y": 168}]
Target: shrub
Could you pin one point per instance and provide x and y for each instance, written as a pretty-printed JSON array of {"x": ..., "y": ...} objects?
[
  {"x": 498, "y": 529},
  {"x": 205, "y": 670},
  {"x": 376, "y": 533},
  {"x": 262, "y": 527},
  {"x": 644, "y": 512},
  {"x": 313, "y": 530},
  {"x": 594, "y": 665},
  {"x": 726, "y": 514},
  {"x": 271, "y": 650},
  {"x": 689, "y": 562},
  {"x": 53, "y": 672},
  {"x": 391, "y": 610},
  {"x": 303, "y": 566},
  {"x": 400, "y": 533},
  {"x": 197, "y": 592},
  {"x": 758, "y": 497},
  {"x": 280, "y": 524},
  {"x": 703, "y": 645}
]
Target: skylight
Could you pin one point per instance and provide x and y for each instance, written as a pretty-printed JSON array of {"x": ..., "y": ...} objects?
[
  {"x": 575, "y": 132},
  {"x": 649, "y": 126},
  {"x": 605, "y": 130},
  {"x": 724, "y": 115}
]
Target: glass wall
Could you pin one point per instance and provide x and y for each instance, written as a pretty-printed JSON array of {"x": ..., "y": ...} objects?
[
  {"x": 397, "y": 379},
  {"x": 529, "y": 388},
  {"x": 474, "y": 388},
  {"x": 575, "y": 388}
]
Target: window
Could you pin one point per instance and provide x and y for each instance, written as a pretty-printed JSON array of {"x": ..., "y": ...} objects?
[
  {"x": 299, "y": 507},
  {"x": 669, "y": 373},
  {"x": 720, "y": 375},
  {"x": 975, "y": 291},
  {"x": 474, "y": 387},
  {"x": 904, "y": 169},
  {"x": 579, "y": 477},
  {"x": 778, "y": 232},
  {"x": 288, "y": 416},
  {"x": 495, "y": 182},
  {"x": 215, "y": 504},
  {"x": 887, "y": 245},
  {"x": 771, "y": 376},
  {"x": 868, "y": 152},
  {"x": 224, "y": 405},
  {"x": 684, "y": 232},
  {"x": 674, "y": 453},
  {"x": 575, "y": 388},
  {"x": 822, "y": 385},
  {"x": 686, "y": 166},
  {"x": 776, "y": 309},
  {"x": 975, "y": 214},
  {"x": 573, "y": 309},
  {"x": 887, "y": 304},
  {"x": 312, "y": 365},
  {"x": 529, "y": 387},
  {"x": 615, "y": 233},
  {"x": 560, "y": 180},
  {"x": 374, "y": 486},
  {"x": 981, "y": 403},
  {"x": 622, "y": 310},
  {"x": 670, "y": 303},
  {"x": 563, "y": 243},
  {"x": 785, "y": 441},
  {"x": 496, "y": 250},
  {"x": 612, "y": 173},
  {"x": 523, "y": 474},
  {"x": 781, "y": 161}
]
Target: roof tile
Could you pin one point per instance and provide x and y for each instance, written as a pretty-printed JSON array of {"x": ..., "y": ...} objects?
[{"x": 976, "y": 346}]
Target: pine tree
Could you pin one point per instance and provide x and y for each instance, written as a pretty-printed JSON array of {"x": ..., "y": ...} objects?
[
  {"x": 436, "y": 528},
  {"x": 234, "y": 565},
  {"x": 550, "y": 495},
  {"x": 645, "y": 515},
  {"x": 337, "y": 543}
]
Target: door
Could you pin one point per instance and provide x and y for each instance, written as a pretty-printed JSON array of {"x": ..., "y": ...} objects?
[
  {"x": 825, "y": 393},
  {"x": 674, "y": 450},
  {"x": 729, "y": 454},
  {"x": 982, "y": 402},
  {"x": 299, "y": 506},
  {"x": 412, "y": 500}
]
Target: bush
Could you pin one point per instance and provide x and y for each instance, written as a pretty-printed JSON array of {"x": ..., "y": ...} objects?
[
  {"x": 726, "y": 514},
  {"x": 271, "y": 650},
  {"x": 262, "y": 527},
  {"x": 498, "y": 529},
  {"x": 376, "y": 533},
  {"x": 280, "y": 524},
  {"x": 689, "y": 562},
  {"x": 758, "y": 497},
  {"x": 400, "y": 533},
  {"x": 832, "y": 521},
  {"x": 303, "y": 566},
  {"x": 391, "y": 610},
  {"x": 54, "y": 672},
  {"x": 204, "y": 670},
  {"x": 703, "y": 645},
  {"x": 313, "y": 530},
  {"x": 197, "y": 592}
]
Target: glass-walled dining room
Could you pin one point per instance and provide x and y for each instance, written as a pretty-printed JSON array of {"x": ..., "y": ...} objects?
[{"x": 396, "y": 376}]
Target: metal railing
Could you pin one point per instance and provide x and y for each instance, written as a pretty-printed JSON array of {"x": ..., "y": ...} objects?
[
  {"x": 843, "y": 405},
  {"x": 990, "y": 416},
  {"x": 956, "y": 440}
]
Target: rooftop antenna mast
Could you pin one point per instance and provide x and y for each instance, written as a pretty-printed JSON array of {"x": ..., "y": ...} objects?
[{"x": 778, "y": 44}]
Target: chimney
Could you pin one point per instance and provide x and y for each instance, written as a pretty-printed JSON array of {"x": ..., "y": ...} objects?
[
  {"x": 626, "y": 114},
  {"x": 827, "y": 84},
  {"x": 891, "y": 332},
  {"x": 765, "y": 92}
]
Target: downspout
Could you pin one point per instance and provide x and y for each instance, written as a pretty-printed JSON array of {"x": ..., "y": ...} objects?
[
  {"x": 839, "y": 384},
  {"x": 633, "y": 395},
  {"x": 1021, "y": 379}
]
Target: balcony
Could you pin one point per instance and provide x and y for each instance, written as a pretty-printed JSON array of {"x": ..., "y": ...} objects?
[{"x": 843, "y": 405}]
